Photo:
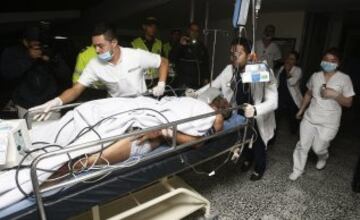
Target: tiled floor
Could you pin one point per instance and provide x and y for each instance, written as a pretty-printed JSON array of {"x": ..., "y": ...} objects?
[{"x": 317, "y": 194}]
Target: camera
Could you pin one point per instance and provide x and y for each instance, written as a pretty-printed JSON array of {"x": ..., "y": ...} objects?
[{"x": 191, "y": 41}]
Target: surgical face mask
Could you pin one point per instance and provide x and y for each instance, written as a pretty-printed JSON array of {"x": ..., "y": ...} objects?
[
  {"x": 105, "y": 57},
  {"x": 328, "y": 66}
]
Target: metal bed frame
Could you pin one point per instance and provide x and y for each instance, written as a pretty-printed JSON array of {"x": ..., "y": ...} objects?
[{"x": 174, "y": 146}]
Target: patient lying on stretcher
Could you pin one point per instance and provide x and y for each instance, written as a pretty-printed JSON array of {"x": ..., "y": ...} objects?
[
  {"x": 129, "y": 147},
  {"x": 106, "y": 118}
]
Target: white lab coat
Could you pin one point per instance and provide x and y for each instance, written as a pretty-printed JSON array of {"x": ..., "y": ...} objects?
[
  {"x": 264, "y": 95},
  {"x": 293, "y": 83}
]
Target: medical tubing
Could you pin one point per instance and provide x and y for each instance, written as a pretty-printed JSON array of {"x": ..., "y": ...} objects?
[
  {"x": 129, "y": 111},
  {"x": 172, "y": 90},
  {"x": 111, "y": 167},
  {"x": 82, "y": 132},
  {"x": 20, "y": 166},
  {"x": 97, "y": 134},
  {"x": 254, "y": 24},
  {"x": 219, "y": 166},
  {"x": 91, "y": 128},
  {"x": 236, "y": 14},
  {"x": 62, "y": 127},
  {"x": 57, "y": 135}
]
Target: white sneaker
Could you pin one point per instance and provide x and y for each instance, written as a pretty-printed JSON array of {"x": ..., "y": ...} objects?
[
  {"x": 294, "y": 176},
  {"x": 320, "y": 164}
]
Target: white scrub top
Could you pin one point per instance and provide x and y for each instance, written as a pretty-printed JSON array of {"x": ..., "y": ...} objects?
[
  {"x": 327, "y": 112},
  {"x": 270, "y": 53},
  {"x": 124, "y": 78}
]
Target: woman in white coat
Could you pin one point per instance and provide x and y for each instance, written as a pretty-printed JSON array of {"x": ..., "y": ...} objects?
[
  {"x": 261, "y": 100},
  {"x": 290, "y": 97},
  {"x": 328, "y": 91}
]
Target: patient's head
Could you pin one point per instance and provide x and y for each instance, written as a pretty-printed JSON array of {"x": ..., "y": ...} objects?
[
  {"x": 220, "y": 103},
  {"x": 215, "y": 99}
]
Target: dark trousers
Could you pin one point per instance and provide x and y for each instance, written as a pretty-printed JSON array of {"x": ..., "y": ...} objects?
[
  {"x": 288, "y": 111},
  {"x": 257, "y": 154},
  {"x": 356, "y": 179}
]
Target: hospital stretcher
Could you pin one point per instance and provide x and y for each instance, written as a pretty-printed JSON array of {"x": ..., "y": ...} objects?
[{"x": 121, "y": 186}]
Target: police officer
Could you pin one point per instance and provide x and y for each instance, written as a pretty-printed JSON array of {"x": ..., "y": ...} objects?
[{"x": 149, "y": 42}]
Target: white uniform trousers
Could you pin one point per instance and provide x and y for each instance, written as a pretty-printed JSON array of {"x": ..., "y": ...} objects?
[{"x": 312, "y": 136}]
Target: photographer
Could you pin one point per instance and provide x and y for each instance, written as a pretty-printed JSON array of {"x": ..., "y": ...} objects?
[
  {"x": 33, "y": 69},
  {"x": 191, "y": 59}
]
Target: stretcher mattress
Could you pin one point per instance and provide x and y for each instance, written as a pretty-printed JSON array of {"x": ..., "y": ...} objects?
[{"x": 82, "y": 196}]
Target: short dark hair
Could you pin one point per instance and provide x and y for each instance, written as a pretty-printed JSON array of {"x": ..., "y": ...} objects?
[
  {"x": 270, "y": 26},
  {"x": 193, "y": 23},
  {"x": 223, "y": 105},
  {"x": 105, "y": 29},
  {"x": 333, "y": 51},
  {"x": 32, "y": 33},
  {"x": 295, "y": 53},
  {"x": 243, "y": 42},
  {"x": 175, "y": 30}
]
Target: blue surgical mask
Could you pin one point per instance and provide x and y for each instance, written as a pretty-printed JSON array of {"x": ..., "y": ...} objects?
[
  {"x": 105, "y": 57},
  {"x": 328, "y": 66}
]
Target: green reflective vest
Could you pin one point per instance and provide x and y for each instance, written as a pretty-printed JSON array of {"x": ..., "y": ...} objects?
[
  {"x": 167, "y": 49},
  {"x": 82, "y": 60},
  {"x": 139, "y": 43}
]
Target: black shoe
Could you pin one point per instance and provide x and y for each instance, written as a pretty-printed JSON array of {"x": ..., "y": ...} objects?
[
  {"x": 245, "y": 166},
  {"x": 255, "y": 176}
]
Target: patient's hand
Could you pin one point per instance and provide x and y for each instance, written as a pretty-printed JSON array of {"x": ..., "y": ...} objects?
[
  {"x": 149, "y": 136},
  {"x": 219, "y": 123}
]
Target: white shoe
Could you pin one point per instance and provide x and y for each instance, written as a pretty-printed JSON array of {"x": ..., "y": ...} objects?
[
  {"x": 294, "y": 176},
  {"x": 320, "y": 164}
]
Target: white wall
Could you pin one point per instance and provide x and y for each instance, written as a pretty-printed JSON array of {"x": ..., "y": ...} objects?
[{"x": 288, "y": 25}]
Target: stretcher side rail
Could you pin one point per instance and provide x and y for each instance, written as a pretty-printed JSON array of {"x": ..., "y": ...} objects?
[
  {"x": 34, "y": 179},
  {"x": 30, "y": 113}
]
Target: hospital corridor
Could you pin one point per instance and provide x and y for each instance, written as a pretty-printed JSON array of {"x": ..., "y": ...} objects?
[
  {"x": 323, "y": 195},
  {"x": 180, "y": 109}
]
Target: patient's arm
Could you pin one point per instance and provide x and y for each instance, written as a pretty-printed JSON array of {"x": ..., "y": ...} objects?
[
  {"x": 121, "y": 149},
  {"x": 219, "y": 123},
  {"x": 182, "y": 138}
]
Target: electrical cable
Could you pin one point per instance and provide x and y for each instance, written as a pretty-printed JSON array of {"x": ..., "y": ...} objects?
[
  {"x": 89, "y": 128},
  {"x": 81, "y": 133},
  {"x": 20, "y": 166},
  {"x": 94, "y": 166}
]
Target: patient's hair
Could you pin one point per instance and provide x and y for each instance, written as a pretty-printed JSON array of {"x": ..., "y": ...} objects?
[{"x": 220, "y": 103}]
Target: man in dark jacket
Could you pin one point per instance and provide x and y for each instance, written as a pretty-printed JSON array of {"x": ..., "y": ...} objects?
[
  {"x": 191, "y": 59},
  {"x": 34, "y": 72}
]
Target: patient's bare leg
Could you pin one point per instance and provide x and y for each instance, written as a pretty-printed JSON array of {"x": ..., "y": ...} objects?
[
  {"x": 115, "y": 153},
  {"x": 118, "y": 151}
]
